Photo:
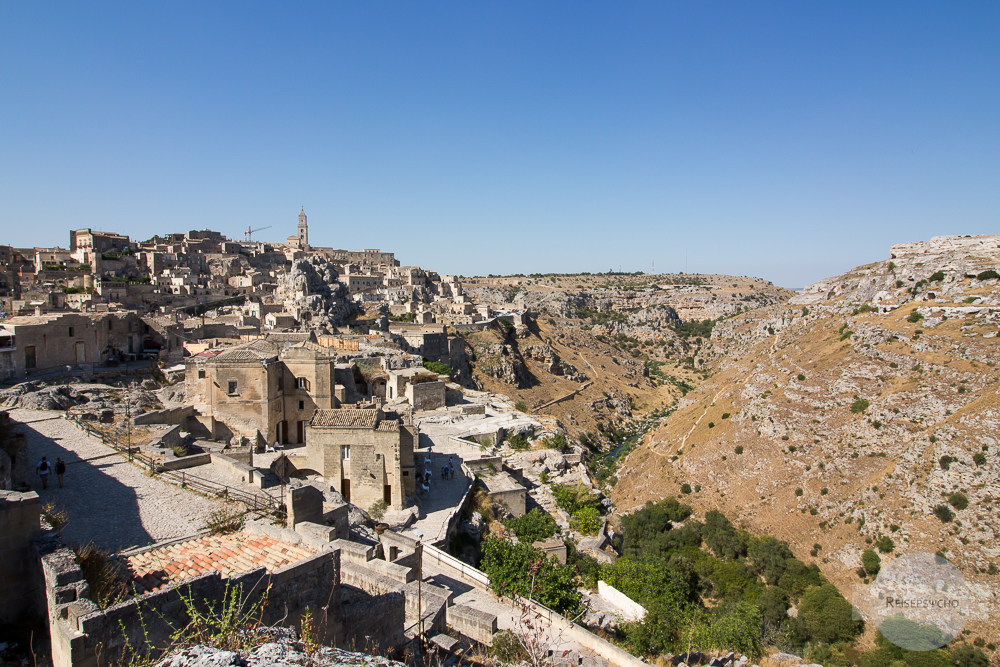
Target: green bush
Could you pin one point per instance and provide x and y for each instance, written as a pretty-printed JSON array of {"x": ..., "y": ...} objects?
[
  {"x": 533, "y": 526},
  {"x": 517, "y": 442},
  {"x": 767, "y": 556},
  {"x": 438, "y": 367},
  {"x": 574, "y": 497},
  {"x": 871, "y": 561},
  {"x": 936, "y": 277},
  {"x": 859, "y": 405},
  {"x": 522, "y": 570},
  {"x": 738, "y": 449},
  {"x": 944, "y": 513},
  {"x": 989, "y": 274},
  {"x": 946, "y": 461},
  {"x": 586, "y": 520},
  {"x": 885, "y": 544},
  {"x": 730, "y": 628},
  {"x": 824, "y": 615},
  {"x": 914, "y": 317},
  {"x": 979, "y": 459},
  {"x": 686, "y": 488},
  {"x": 958, "y": 500}
]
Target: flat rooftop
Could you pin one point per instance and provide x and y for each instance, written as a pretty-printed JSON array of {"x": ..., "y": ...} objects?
[{"x": 231, "y": 553}]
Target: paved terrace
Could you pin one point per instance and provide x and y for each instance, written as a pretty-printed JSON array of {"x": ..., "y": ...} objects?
[{"x": 110, "y": 502}]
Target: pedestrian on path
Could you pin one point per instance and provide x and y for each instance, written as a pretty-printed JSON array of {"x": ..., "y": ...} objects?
[
  {"x": 60, "y": 470},
  {"x": 43, "y": 471}
]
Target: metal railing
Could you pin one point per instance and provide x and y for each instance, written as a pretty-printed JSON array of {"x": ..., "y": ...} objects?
[{"x": 258, "y": 502}]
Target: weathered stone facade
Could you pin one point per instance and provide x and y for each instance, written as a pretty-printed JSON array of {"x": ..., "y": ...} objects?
[
  {"x": 35, "y": 343},
  {"x": 365, "y": 453},
  {"x": 265, "y": 392}
]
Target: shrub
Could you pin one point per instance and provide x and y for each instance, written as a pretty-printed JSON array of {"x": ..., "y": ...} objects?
[
  {"x": 958, "y": 500},
  {"x": 574, "y": 497},
  {"x": 517, "y": 442},
  {"x": 685, "y": 488},
  {"x": 989, "y": 274},
  {"x": 108, "y": 579},
  {"x": 946, "y": 461},
  {"x": 944, "y": 513},
  {"x": 799, "y": 492},
  {"x": 377, "y": 510},
  {"x": 533, "y": 526},
  {"x": 508, "y": 649},
  {"x": 739, "y": 449},
  {"x": 438, "y": 367},
  {"x": 56, "y": 515},
  {"x": 519, "y": 569},
  {"x": 914, "y": 317},
  {"x": 859, "y": 405},
  {"x": 936, "y": 277},
  {"x": 979, "y": 459},
  {"x": 825, "y": 615},
  {"x": 227, "y": 519},
  {"x": 725, "y": 415},
  {"x": 871, "y": 562},
  {"x": 800, "y": 377},
  {"x": 521, "y": 406},
  {"x": 885, "y": 544},
  {"x": 586, "y": 520}
]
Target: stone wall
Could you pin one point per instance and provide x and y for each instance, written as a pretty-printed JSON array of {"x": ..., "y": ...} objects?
[
  {"x": 426, "y": 395},
  {"x": 84, "y": 635},
  {"x": 473, "y": 623},
  {"x": 374, "y": 625},
  {"x": 20, "y": 524},
  {"x": 168, "y": 416}
]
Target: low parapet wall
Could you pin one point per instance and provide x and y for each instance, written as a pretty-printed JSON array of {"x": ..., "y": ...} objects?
[
  {"x": 83, "y": 635},
  {"x": 466, "y": 571},
  {"x": 473, "y": 623},
  {"x": 167, "y": 416}
]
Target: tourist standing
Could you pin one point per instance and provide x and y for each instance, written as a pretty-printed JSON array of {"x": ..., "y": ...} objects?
[
  {"x": 43, "y": 471},
  {"x": 60, "y": 470}
]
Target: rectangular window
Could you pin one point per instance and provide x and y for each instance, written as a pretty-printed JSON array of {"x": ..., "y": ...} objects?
[
  {"x": 302, "y": 405},
  {"x": 345, "y": 452},
  {"x": 201, "y": 375},
  {"x": 71, "y": 332},
  {"x": 302, "y": 383},
  {"x": 232, "y": 386}
]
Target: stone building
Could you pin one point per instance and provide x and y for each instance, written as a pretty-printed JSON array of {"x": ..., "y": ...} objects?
[
  {"x": 34, "y": 343},
  {"x": 365, "y": 453},
  {"x": 86, "y": 244},
  {"x": 266, "y": 391}
]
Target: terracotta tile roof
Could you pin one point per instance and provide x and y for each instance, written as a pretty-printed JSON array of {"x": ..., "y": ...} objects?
[
  {"x": 245, "y": 353},
  {"x": 229, "y": 554},
  {"x": 388, "y": 425},
  {"x": 346, "y": 418}
]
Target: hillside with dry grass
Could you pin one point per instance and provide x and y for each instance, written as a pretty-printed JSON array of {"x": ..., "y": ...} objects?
[
  {"x": 602, "y": 349},
  {"x": 866, "y": 408}
]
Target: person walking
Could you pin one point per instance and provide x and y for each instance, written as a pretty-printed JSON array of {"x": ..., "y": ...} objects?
[
  {"x": 60, "y": 470},
  {"x": 43, "y": 471}
]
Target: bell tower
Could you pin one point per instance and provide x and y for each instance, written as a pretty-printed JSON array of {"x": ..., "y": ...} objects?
[{"x": 303, "y": 230}]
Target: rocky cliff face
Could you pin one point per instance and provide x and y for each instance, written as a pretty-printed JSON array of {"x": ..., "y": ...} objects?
[
  {"x": 866, "y": 408},
  {"x": 311, "y": 291}
]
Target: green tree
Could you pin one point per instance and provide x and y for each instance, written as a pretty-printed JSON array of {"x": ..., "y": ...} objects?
[
  {"x": 768, "y": 556},
  {"x": 532, "y": 526},
  {"x": 586, "y": 520},
  {"x": 519, "y": 569},
  {"x": 871, "y": 561},
  {"x": 826, "y": 616},
  {"x": 732, "y": 628}
]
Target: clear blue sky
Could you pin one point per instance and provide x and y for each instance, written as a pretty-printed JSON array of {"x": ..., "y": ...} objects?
[{"x": 788, "y": 140}]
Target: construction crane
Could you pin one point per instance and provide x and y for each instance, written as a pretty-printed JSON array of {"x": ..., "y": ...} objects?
[{"x": 249, "y": 232}]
